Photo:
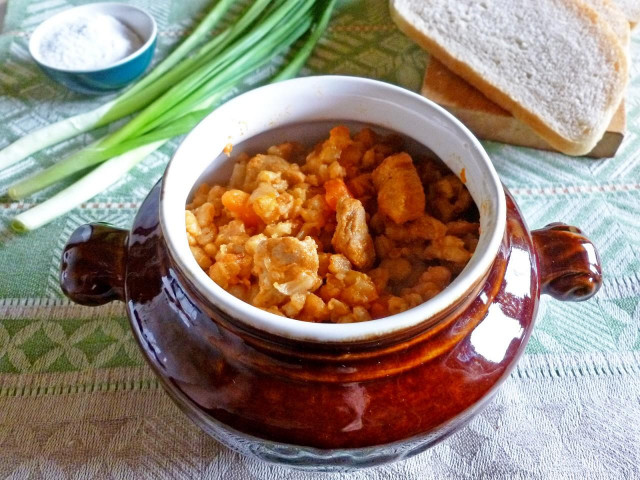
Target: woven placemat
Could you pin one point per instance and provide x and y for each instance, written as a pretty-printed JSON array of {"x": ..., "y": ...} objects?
[{"x": 77, "y": 399}]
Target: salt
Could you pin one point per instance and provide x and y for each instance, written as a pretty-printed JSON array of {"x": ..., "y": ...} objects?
[{"x": 88, "y": 43}]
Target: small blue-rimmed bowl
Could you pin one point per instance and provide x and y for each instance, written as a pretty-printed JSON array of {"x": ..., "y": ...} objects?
[{"x": 111, "y": 77}]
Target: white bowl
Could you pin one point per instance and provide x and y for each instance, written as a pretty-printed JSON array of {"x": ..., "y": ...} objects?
[
  {"x": 108, "y": 77},
  {"x": 288, "y": 105}
]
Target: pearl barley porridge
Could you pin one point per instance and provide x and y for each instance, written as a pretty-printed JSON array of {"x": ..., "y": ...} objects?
[{"x": 353, "y": 230}]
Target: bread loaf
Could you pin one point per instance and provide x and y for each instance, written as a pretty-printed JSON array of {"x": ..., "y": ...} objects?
[{"x": 554, "y": 64}]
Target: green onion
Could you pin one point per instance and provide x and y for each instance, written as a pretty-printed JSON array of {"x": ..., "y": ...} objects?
[
  {"x": 163, "y": 76},
  {"x": 130, "y": 152},
  {"x": 144, "y": 92},
  {"x": 178, "y": 127},
  {"x": 201, "y": 31},
  {"x": 188, "y": 121},
  {"x": 207, "y": 72},
  {"x": 205, "y": 85},
  {"x": 97, "y": 180},
  {"x": 281, "y": 39},
  {"x": 296, "y": 63}
]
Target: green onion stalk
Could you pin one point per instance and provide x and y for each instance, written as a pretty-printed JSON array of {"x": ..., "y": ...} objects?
[
  {"x": 140, "y": 147},
  {"x": 189, "y": 113},
  {"x": 161, "y": 78},
  {"x": 205, "y": 80},
  {"x": 82, "y": 190}
]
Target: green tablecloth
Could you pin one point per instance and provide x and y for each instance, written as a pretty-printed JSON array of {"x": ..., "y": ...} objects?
[{"x": 76, "y": 398}]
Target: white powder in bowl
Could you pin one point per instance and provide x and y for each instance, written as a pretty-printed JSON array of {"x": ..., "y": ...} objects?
[{"x": 87, "y": 43}]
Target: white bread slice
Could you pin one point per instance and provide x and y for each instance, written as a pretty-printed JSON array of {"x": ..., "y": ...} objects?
[
  {"x": 554, "y": 64},
  {"x": 630, "y": 9}
]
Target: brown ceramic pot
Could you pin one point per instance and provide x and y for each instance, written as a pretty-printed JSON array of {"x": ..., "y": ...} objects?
[{"x": 322, "y": 396}]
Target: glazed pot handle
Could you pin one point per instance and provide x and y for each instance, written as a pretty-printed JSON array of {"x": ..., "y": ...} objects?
[
  {"x": 94, "y": 264},
  {"x": 569, "y": 263}
]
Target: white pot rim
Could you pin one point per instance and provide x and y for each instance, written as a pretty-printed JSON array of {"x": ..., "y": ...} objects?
[{"x": 312, "y": 99}]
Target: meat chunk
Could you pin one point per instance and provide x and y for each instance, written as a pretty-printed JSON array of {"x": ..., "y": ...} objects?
[
  {"x": 400, "y": 193},
  {"x": 351, "y": 237},
  {"x": 285, "y": 267}
]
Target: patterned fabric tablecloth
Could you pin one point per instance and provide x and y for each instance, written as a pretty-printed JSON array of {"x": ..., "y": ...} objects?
[{"x": 77, "y": 400}]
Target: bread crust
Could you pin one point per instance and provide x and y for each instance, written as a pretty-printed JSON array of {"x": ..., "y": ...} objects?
[
  {"x": 615, "y": 18},
  {"x": 563, "y": 144}
]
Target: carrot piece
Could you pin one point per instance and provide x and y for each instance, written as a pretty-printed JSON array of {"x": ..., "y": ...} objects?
[
  {"x": 237, "y": 202},
  {"x": 335, "y": 189}
]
